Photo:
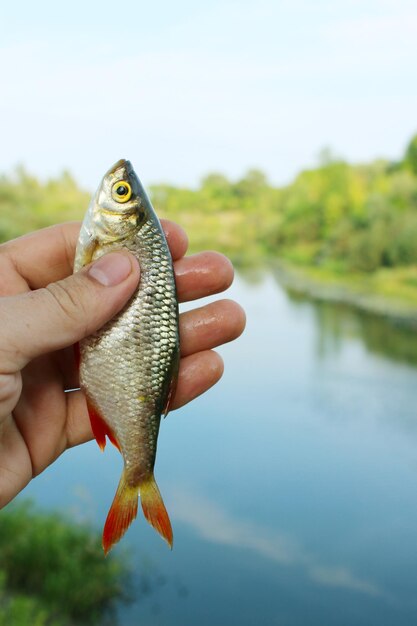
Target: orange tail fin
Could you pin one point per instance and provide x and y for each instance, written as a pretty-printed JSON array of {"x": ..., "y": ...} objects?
[
  {"x": 122, "y": 513},
  {"x": 154, "y": 509}
]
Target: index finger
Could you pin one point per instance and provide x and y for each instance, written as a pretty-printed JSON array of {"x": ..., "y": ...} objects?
[{"x": 47, "y": 255}]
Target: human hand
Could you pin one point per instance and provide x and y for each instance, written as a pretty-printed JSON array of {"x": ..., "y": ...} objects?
[{"x": 44, "y": 310}]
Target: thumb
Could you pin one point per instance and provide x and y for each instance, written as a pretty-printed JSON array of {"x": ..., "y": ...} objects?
[{"x": 64, "y": 312}]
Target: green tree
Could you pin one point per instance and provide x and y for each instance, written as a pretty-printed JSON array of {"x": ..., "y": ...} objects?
[{"x": 410, "y": 157}]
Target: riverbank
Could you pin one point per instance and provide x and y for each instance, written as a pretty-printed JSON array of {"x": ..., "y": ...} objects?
[{"x": 389, "y": 293}]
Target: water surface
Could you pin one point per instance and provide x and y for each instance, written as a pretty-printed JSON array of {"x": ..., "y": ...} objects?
[{"x": 292, "y": 486}]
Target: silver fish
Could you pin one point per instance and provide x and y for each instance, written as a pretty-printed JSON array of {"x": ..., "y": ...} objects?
[{"x": 129, "y": 368}]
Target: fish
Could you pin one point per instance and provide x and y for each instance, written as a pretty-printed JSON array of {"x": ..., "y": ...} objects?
[{"x": 129, "y": 368}]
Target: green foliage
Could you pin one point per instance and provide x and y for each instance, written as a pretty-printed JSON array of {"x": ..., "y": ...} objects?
[
  {"x": 55, "y": 571},
  {"x": 21, "y": 610},
  {"x": 355, "y": 218},
  {"x": 27, "y": 204},
  {"x": 233, "y": 217},
  {"x": 411, "y": 155}
]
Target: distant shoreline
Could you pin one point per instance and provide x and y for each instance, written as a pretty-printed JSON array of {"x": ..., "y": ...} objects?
[{"x": 302, "y": 281}]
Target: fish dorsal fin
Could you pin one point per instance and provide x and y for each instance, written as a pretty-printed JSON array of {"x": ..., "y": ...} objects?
[
  {"x": 170, "y": 397},
  {"x": 172, "y": 385}
]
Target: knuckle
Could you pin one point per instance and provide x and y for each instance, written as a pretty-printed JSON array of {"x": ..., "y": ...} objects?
[
  {"x": 7, "y": 275},
  {"x": 10, "y": 388},
  {"x": 69, "y": 300},
  {"x": 11, "y": 351}
]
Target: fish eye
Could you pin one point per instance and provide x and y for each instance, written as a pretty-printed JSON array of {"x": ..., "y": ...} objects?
[{"x": 121, "y": 191}]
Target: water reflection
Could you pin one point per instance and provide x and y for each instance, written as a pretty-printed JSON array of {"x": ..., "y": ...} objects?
[
  {"x": 152, "y": 584},
  {"x": 292, "y": 485},
  {"x": 337, "y": 322},
  {"x": 214, "y": 524}
]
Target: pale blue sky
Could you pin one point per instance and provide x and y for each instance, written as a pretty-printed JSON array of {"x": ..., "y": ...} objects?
[{"x": 184, "y": 88}]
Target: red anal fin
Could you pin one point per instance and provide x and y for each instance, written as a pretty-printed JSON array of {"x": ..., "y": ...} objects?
[
  {"x": 110, "y": 434},
  {"x": 100, "y": 428}
]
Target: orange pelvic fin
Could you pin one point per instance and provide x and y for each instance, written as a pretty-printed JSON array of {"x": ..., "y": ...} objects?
[
  {"x": 100, "y": 428},
  {"x": 154, "y": 509},
  {"x": 122, "y": 513}
]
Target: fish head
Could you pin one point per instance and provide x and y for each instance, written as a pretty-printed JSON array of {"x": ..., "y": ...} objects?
[{"x": 118, "y": 208}]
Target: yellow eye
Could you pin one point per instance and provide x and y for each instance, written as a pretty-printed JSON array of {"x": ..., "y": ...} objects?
[{"x": 121, "y": 191}]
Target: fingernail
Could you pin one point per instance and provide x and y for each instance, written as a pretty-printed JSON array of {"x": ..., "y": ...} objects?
[{"x": 111, "y": 269}]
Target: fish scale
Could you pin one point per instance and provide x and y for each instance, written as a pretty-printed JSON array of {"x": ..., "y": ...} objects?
[{"x": 128, "y": 368}]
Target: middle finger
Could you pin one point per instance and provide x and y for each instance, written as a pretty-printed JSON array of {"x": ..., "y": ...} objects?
[
  {"x": 203, "y": 274},
  {"x": 210, "y": 326}
]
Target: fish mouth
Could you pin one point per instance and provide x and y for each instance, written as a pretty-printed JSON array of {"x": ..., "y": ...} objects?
[{"x": 121, "y": 163}]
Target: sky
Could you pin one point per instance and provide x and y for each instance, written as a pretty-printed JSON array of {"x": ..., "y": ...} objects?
[{"x": 190, "y": 87}]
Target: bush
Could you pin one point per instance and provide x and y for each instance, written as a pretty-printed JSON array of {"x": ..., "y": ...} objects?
[{"x": 59, "y": 566}]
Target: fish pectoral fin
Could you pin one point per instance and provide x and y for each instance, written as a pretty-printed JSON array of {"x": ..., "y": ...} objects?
[
  {"x": 154, "y": 509},
  {"x": 122, "y": 513},
  {"x": 100, "y": 428},
  {"x": 87, "y": 245}
]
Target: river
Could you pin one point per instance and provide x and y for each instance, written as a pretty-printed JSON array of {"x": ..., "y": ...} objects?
[{"x": 292, "y": 486}]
